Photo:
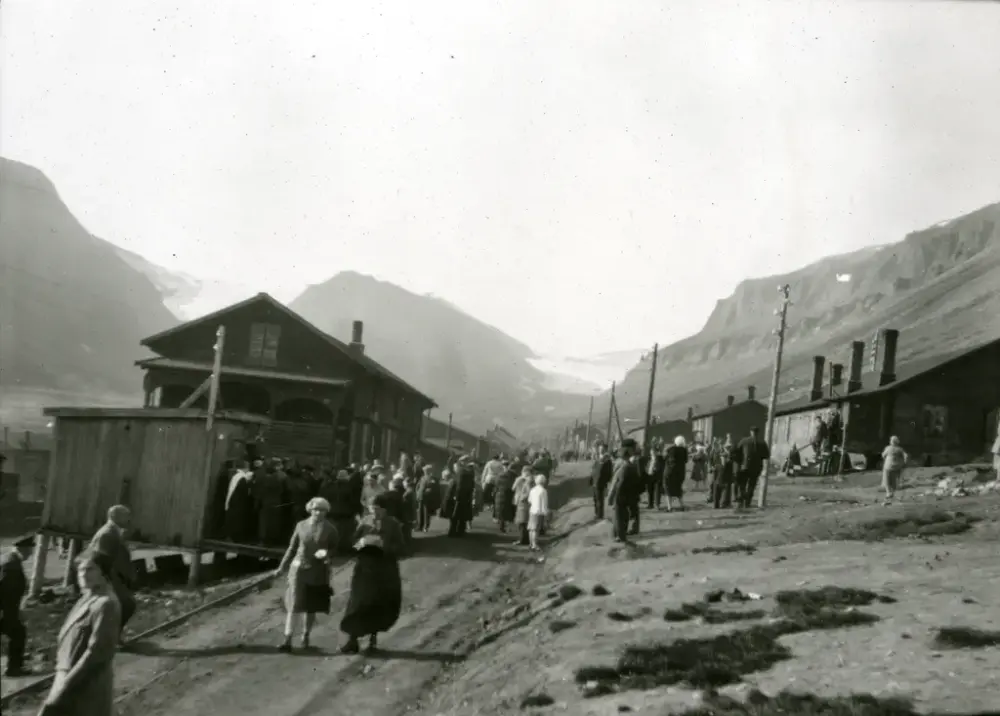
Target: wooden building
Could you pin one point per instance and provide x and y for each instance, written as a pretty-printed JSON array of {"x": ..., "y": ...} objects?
[
  {"x": 734, "y": 418},
  {"x": 502, "y": 440},
  {"x": 436, "y": 434},
  {"x": 664, "y": 430},
  {"x": 942, "y": 407},
  {"x": 327, "y": 402},
  {"x": 163, "y": 464}
]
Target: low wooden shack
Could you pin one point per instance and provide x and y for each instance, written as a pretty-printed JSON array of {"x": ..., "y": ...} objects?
[{"x": 163, "y": 464}]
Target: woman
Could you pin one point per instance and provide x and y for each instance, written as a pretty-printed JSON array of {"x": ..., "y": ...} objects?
[
  {"x": 522, "y": 508},
  {"x": 369, "y": 492},
  {"x": 376, "y": 588},
  {"x": 894, "y": 460},
  {"x": 88, "y": 640},
  {"x": 503, "y": 499},
  {"x": 699, "y": 462},
  {"x": 307, "y": 561},
  {"x": 677, "y": 457}
]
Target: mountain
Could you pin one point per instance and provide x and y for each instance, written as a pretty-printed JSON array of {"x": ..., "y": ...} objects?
[
  {"x": 940, "y": 287},
  {"x": 72, "y": 309},
  {"x": 177, "y": 290},
  {"x": 472, "y": 370},
  {"x": 599, "y": 370}
]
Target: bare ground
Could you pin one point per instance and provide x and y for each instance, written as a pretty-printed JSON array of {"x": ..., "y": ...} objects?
[{"x": 932, "y": 560}]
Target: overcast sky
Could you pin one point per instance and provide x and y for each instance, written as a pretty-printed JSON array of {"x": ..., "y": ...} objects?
[{"x": 587, "y": 175}]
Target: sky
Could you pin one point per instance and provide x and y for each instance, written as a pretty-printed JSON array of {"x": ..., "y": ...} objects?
[{"x": 586, "y": 175}]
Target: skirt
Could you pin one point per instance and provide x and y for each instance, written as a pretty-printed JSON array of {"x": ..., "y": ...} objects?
[
  {"x": 308, "y": 598},
  {"x": 675, "y": 485},
  {"x": 376, "y": 594}
]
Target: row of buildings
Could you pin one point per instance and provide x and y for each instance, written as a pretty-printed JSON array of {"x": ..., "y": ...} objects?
[{"x": 943, "y": 407}]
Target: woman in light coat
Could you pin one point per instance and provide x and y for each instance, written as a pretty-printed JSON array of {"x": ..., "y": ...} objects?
[
  {"x": 894, "y": 459},
  {"x": 307, "y": 561},
  {"x": 88, "y": 640}
]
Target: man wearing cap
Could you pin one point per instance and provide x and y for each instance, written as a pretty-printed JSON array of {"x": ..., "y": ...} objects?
[
  {"x": 13, "y": 586},
  {"x": 600, "y": 477},
  {"x": 752, "y": 456},
  {"x": 624, "y": 493}
]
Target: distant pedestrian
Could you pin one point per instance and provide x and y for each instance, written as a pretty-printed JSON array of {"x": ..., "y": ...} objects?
[
  {"x": 13, "y": 586},
  {"x": 538, "y": 511},
  {"x": 752, "y": 456},
  {"x": 894, "y": 460},
  {"x": 522, "y": 506},
  {"x": 428, "y": 494},
  {"x": 601, "y": 472},
  {"x": 625, "y": 493},
  {"x": 676, "y": 472},
  {"x": 724, "y": 469}
]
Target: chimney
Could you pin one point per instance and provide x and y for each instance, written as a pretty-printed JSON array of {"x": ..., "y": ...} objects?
[
  {"x": 857, "y": 361},
  {"x": 357, "y": 336},
  {"x": 690, "y": 415},
  {"x": 836, "y": 376},
  {"x": 890, "y": 337},
  {"x": 751, "y": 392},
  {"x": 816, "y": 392},
  {"x": 730, "y": 400}
]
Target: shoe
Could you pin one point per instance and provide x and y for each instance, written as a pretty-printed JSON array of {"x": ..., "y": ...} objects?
[
  {"x": 351, "y": 647},
  {"x": 286, "y": 647}
]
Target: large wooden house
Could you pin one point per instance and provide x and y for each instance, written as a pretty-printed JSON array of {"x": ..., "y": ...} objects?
[
  {"x": 943, "y": 406},
  {"x": 735, "y": 418},
  {"x": 326, "y": 401}
]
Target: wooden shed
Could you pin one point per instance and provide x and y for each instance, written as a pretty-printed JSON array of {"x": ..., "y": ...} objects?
[{"x": 161, "y": 463}]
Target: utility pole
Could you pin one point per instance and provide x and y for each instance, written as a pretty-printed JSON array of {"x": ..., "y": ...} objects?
[
  {"x": 590, "y": 419},
  {"x": 447, "y": 439},
  {"x": 213, "y": 389},
  {"x": 611, "y": 413},
  {"x": 772, "y": 403},
  {"x": 649, "y": 401}
]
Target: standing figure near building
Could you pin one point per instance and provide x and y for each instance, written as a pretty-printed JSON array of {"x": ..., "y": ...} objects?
[
  {"x": 428, "y": 494},
  {"x": 307, "y": 563},
  {"x": 538, "y": 511},
  {"x": 493, "y": 470},
  {"x": 111, "y": 552},
  {"x": 601, "y": 472},
  {"x": 344, "y": 509},
  {"x": 699, "y": 461},
  {"x": 894, "y": 460},
  {"x": 723, "y": 470},
  {"x": 13, "y": 586},
  {"x": 752, "y": 458},
  {"x": 625, "y": 492},
  {"x": 676, "y": 472},
  {"x": 655, "y": 466},
  {"x": 83, "y": 683},
  {"x": 268, "y": 491},
  {"x": 459, "y": 498},
  {"x": 522, "y": 508},
  {"x": 503, "y": 499}
]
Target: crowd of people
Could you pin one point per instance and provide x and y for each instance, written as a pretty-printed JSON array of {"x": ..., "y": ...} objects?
[{"x": 730, "y": 469}]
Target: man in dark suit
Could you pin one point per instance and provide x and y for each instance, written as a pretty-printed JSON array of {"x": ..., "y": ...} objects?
[
  {"x": 624, "y": 492},
  {"x": 13, "y": 586},
  {"x": 600, "y": 477},
  {"x": 115, "y": 559},
  {"x": 751, "y": 461}
]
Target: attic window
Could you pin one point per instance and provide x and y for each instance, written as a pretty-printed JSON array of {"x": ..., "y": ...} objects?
[{"x": 264, "y": 340}]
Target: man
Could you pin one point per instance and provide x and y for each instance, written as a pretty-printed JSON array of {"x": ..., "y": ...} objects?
[
  {"x": 600, "y": 477},
  {"x": 654, "y": 476},
  {"x": 624, "y": 492},
  {"x": 13, "y": 586},
  {"x": 491, "y": 473},
  {"x": 752, "y": 456},
  {"x": 115, "y": 559},
  {"x": 459, "y": 497}
]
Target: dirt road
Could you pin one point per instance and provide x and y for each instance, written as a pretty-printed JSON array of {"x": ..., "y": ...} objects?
[{"x": 228, "y": 664}]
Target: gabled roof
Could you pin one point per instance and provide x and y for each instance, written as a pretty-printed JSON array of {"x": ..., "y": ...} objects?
[
  {"x": 905, "y": 373},
  {"x": 361, "y": 359},
  {"x": 722, "y": 408}
]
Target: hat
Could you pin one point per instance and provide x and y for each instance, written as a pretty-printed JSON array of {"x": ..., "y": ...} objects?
[
  {"x": 629, "y": 444},
  {"x": 377, "y": 465}
]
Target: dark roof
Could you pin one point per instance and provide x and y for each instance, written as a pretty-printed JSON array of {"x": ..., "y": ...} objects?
[
  {"x": 724, "y": 407},
  {"x": 905, "y": 373},
  {"x": 360, "y": 358}
]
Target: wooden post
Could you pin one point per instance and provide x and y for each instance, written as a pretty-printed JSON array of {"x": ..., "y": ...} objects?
[
  {"x": 845, "y": 418},
  {"x": 611, "y": 413},
  {"x": 38, "y": 564},
  {"x": 590, "y": 419},
  {"x": 447, "y": 437},
  {"x": 772, "y": 402},
  {"x": 649, "y": 401},
  {"x": 618, "y": 421},
  {"x": 69, "y": 576},
  {"x": 213, "y": 390}
]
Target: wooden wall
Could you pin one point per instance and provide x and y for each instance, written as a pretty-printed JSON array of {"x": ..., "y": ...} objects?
[{"x": 154, "y": 466}]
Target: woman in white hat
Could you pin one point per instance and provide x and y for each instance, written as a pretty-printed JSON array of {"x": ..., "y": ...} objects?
[{"x": 307, "y": 561}]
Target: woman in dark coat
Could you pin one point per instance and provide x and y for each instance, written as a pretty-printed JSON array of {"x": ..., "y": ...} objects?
[
  {"x": 677, "y": 457},
  {"x": 503, "y": 499},
  {"x": 376, "y": 588}
]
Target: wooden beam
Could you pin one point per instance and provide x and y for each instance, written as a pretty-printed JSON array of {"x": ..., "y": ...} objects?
[{"x": 198, "y": 392}]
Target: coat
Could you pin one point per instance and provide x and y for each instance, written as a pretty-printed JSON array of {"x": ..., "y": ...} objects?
[
  {"x": 304, "y": 569},
  {"x": 429, "y": 493},
  {"x": 626, "y": 484},
  {"x": 459, "y": 496},
  {"x": 521, "y": 488},
  {"x": 503, "y": 497},
  {"x": 115, "y": 560},
  {"x": 376, "y": 597},
  {"x": 85, "y": 651},
  {"x": 13, "y": 585}
]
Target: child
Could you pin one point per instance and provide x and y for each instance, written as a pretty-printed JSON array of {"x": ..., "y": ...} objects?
[{"x": 538, "y": 511}]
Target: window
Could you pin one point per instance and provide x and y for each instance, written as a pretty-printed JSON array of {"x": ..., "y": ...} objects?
[{"x": 264, "y": 340}]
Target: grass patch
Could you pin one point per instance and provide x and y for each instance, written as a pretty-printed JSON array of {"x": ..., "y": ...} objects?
[
  {"x": 965, "y": 638},
  {"x": 620, "y": 617},
  {"x": 599, "y": 590},
  {"x": 724, "y": 659},
  {"x": 710, "y": 614},
  {"x": 913, "y": 524},
  {"x": 534, "y": 701},
  {"x": 786, "y": 704},
  {"x": 728, "y": 549},
  {"x": 568, "y": 592}
]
